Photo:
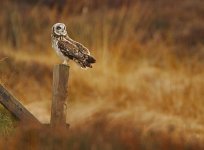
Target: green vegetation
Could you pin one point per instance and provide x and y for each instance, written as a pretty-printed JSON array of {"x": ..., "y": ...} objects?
[{"x": 7, "y": 122}]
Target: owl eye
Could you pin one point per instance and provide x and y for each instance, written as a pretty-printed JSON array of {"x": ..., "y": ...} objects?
[{"x": 58, "y": 28}]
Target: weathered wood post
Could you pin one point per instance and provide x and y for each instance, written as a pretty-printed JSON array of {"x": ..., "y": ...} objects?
[
  {"x": 59, "y": 97},
  {"x": 16, "y": 108}
]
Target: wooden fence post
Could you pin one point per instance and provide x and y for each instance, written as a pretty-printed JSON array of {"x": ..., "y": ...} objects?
[{"x": 59, "y": 97}]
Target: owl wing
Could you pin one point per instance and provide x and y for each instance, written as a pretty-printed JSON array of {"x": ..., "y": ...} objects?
[
  {"x": 68, "y": 49},
  {"x": 81, "y": 47},
  {"x": 72, "y": 51}
]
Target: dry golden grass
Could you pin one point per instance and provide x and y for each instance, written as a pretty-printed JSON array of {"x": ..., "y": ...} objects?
[{"x": 146, "y": 90}]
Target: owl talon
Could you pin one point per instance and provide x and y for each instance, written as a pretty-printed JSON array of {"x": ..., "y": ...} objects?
[{"x": 65, "y": 62}]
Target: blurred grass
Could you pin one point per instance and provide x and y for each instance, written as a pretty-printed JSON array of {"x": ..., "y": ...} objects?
[
  {"x": 7, "y": 122},
  {"x": 144, "y": 92}
]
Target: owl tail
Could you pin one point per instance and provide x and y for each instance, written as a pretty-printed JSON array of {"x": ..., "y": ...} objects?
[
  {"x": 86, "y": 62},
  {"x": 90, "y": 59}
]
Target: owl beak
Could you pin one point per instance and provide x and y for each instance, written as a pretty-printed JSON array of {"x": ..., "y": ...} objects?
[{"x": 64, "y": 32}]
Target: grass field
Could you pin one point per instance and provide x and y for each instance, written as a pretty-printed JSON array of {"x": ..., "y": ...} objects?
[{"x": 146, "y": 90}]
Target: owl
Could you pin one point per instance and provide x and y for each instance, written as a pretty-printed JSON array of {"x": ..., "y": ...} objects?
[{"x": 69, "y": 49}]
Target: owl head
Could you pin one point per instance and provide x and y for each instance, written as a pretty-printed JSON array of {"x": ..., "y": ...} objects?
[{"x": 59, "y": 29}]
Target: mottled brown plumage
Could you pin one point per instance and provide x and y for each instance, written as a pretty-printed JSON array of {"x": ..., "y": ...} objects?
[{"x": 69, "y": 49}]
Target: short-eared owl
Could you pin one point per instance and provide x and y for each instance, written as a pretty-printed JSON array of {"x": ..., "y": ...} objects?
[{"x": 68, "y": 49}]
